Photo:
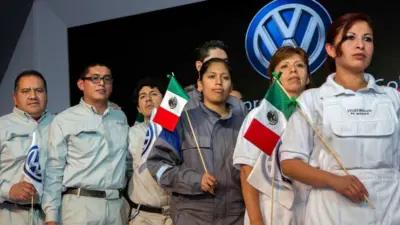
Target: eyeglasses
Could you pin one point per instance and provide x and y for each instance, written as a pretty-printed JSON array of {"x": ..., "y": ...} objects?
[{"x": 108, "y": 79}]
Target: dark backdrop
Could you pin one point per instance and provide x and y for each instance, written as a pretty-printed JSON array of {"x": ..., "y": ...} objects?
[{"x": 160, "y": 42}]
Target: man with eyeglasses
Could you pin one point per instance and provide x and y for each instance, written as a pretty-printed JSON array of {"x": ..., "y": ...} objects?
[
  {"x": 86, "y": 153},
  {"x": 150, "y": 203},
  {"x": 16, "y": 134}
]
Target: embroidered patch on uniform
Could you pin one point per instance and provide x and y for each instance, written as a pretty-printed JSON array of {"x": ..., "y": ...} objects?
[
  {"x": 272, "y": 117},
  {"x": 148, "y": 139},
  {"x": 359, "y": 112},
  {"x": 121, "y": 123},
  {"x": 173, "y": 102}
]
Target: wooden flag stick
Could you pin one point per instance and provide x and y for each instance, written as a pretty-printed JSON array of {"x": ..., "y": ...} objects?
[
  {"x": 324, "y": 142},
  {"x": 195, "y": 140},
  {"x": 198, "y": 148},
  {"x": 272, "y": 199},
  {"x": 194, "y": 137},
  {"x": 197, "y": 144},
  {"x": 31, "y": 213}
]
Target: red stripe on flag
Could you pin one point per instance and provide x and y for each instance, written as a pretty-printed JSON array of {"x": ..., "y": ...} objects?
[
  {"x": 262, "y": 137},
  {"x": 166, "y": 119}
]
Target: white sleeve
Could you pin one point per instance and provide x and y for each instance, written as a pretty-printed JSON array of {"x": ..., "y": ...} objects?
[
  {"x": 245, "y": 152},
  {"x": 132, "y": 147},
  {"x": 298, "y": 136}
]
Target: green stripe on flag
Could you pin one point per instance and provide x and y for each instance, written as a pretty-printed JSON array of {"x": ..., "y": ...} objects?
[
  {"x": 175, "y": 88},
  {"x": 278, "y": 98}
]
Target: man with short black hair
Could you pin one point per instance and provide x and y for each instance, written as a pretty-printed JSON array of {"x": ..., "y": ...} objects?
[
  {"x": 16, "y": 133},
  {"x": 88, "y": 144},
  {"x": 150, "y": 201},
  {"x": 208, "y": 50}
]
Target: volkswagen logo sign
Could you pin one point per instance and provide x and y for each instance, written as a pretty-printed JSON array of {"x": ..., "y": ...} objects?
[{"x": 300, "y": 23}]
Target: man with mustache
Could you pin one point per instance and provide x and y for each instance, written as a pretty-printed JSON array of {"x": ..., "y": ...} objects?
[
  {"x": 150, "y": 202},
  {"x": 87, "y": 145},
  {"x": 29, "y": 115}
]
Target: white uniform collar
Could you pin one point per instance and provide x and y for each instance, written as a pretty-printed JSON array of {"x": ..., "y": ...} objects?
[{"x": 330, "y": 88}]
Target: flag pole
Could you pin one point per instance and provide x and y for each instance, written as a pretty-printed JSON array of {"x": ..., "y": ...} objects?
[
  {"x": 195, "y": 140},
  {"x": 31, "y": 212},
  {"x": 194, "y": 137},
  {"x": 273, "y": 164},
  {"x": 324, "y": 142},
  {"x": 272, "y": 196}
]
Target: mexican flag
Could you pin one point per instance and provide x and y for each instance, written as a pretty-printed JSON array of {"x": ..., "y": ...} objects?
[
  {"x": 172, "y": 105},
  {"x": 32, "y": 172},
  {"x": 269, "y": 122}
]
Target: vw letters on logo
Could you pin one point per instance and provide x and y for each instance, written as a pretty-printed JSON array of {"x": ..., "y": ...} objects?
[{"x": 299, "y": 23}]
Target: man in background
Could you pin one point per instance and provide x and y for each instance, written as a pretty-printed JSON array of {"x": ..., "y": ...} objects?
[{"x": 211, "y": 49}]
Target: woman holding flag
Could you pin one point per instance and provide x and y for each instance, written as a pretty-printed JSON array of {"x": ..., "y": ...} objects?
[
  {"x": 192, "y": 160},
  {"x": 292, "y": 63},
  {"x": 351, "y": 126}
]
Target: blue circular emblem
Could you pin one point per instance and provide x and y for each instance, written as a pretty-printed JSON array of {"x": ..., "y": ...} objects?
[
  {"x": 32, "y": 167},
  {"x": 148, "y": 139},
  {"x": 300, "y": 23}
]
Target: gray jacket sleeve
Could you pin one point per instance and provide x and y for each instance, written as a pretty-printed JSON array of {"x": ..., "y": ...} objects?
[{"x": 165, "y": 163}]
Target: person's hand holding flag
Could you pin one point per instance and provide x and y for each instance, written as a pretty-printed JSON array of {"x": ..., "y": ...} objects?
[
  {"x": 22, "y": 191},
  {"x": 31, "y": 182}
]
